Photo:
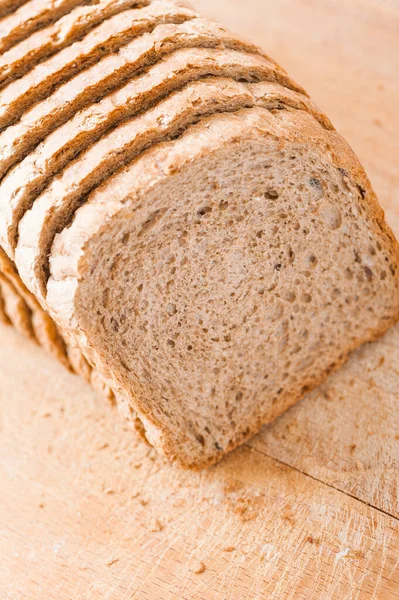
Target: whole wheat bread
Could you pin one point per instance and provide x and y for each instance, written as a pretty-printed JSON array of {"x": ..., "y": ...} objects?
[{"x": 207, "y": 244}]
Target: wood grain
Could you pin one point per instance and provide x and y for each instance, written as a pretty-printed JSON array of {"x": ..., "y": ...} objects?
[
  {"x": 309, "y": 509},
  {"x": 88, "y": 512}
]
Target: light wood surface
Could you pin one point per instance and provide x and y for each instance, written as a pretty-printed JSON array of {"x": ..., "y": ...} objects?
[{"x": 310, "y": 508}]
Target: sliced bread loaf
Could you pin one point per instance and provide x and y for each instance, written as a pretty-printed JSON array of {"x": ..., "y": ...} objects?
[
  {"x": 71, "y": 28},
  {"x": 221, "y": 275},
  {"x": 208, "y": 245}
]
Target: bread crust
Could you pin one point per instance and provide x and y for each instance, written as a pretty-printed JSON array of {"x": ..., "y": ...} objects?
[
  {"x": 8, "y": 6},
  {"x": 46, "y": 331},
  {"x": 16, "y": 309},
  {"x": 4, "y": 319}
]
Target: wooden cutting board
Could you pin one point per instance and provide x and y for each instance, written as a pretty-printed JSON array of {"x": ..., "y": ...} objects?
[{"x": 309, "y": 509}]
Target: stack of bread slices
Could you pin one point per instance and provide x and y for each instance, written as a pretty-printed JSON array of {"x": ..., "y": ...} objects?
[{"x": 179, "y": 223}]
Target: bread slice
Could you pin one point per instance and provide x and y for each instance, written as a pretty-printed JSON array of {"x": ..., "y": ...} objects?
[
  {"x": 45, "y": 330},
  {"x": 93, "y": 84},
  {"x": 105, "y": 39},
  {"x": 30, "y": 17},
  {"x": 71, "y": 28},
  {"x": 223, "y": 274},
  {"x": 55, "y": 207},
  {"x": 16, "y": 309},
  {"x": 23, "y": 183}
]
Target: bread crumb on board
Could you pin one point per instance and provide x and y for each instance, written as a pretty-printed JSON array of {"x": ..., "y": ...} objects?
[{"x": 197, "y": 567}]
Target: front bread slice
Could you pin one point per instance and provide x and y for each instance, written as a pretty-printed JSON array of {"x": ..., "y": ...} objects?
[{"x": 221, "y": 275}]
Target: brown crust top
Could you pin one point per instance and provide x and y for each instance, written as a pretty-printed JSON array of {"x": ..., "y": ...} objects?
[{"x": 94, "y": 83}]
